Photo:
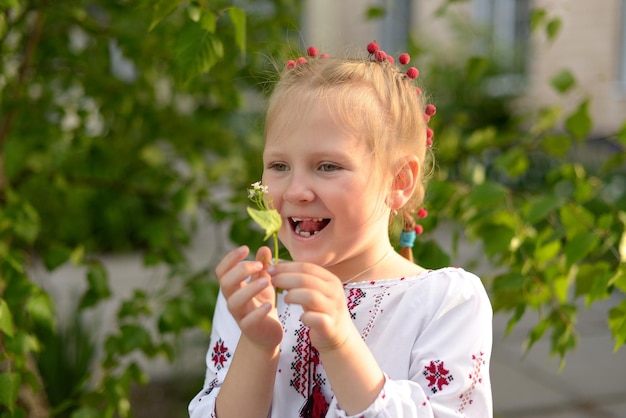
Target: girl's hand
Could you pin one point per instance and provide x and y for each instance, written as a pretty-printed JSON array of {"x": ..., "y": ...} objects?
[
  {"x": 251, "y": 302},
  {"x": 322, "y": 297}
]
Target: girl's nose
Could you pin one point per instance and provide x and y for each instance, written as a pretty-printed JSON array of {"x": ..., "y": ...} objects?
[{"x": 298, "y": 190}]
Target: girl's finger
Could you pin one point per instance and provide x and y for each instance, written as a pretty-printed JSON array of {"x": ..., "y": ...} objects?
[
  {"x": 240, "y": 302},
  {"x": 231, "y": 259}
]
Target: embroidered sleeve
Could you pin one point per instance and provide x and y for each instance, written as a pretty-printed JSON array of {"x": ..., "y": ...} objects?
[
  {"x": 224, "y": 337},
  {"x": 449, "y": 368}
]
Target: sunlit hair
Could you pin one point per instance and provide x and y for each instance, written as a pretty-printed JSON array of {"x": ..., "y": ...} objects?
[{"x": 374, "y": 100}]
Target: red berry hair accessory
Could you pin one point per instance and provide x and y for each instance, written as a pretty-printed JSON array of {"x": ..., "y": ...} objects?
[
  {"x": 372, "y": 47},
  {"x": 411, "y": 73},
  {"x": 378, "y": 55}
]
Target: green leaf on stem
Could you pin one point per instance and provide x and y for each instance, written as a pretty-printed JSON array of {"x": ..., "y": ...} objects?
[{"x": 269, "y": 220}]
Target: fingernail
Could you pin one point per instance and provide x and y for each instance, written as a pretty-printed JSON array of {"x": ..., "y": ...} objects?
[{"x": 271, "y": 269}]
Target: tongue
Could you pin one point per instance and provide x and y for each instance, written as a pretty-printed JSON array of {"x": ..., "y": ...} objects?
[{"x": 311, "y": 226}]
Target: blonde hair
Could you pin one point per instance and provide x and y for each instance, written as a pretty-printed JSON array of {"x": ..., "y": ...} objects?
[{"x": 374, "y": 99}]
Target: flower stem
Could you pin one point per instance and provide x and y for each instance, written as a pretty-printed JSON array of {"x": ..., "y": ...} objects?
[{"x": 275, "y": 248}]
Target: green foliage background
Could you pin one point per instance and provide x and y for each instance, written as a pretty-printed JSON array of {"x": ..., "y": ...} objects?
[{"x": 100, "y": 158}]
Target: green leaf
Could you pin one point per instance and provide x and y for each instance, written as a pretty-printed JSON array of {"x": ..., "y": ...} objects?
[
  {"x": 177, "y": 315},
  {"x": 87, "y": 412},
  {"x": 197, "y": 50},
  {"x": 238, "y": 18},
  {"x": 509, "y": 282},
  {"x": 9, "y": 389},
  {"x": 374, "y": 12},
  {"x": 98, "y": 280},
  {"x": 579, "y": 246},
  {"x": 537, "y": 17},
  {"x": 269, "y": 220},
  {"x": 547, "y": 119},
  {"x": 537, "y": 332},
  {"x": 487, "y": 194},
  {"x": 579, "y": 123},
  {"x": 563, "y": 81},
  {"x": 476, "y": 67},
  {"x": 556, "y": 145},
  {"x": 553, "y": 28},
  {"x": 586, "y": 276},
  {"x": 481, "y": 139},
  {"x": 621, "y": 135},
  {"x": 514, "y": 162},
  {"x": 515, "y": 318},
  {"x": 6, "y": 319},
  {"x": 575, "y": 218},
  {"x": 41, "y": 308},
  {"x": 617, "y": 324},
  {"x": 194, "y": 11},
  {"x": 546, "y": 253},
  {"x": 9, "y": 3},
  {"x": 55, "y": 256},
  {"x": 161, "y": 10},
  {"x": 539, "y": 208},
  {"x": 208, "y": 21},
  {"x": 134, "y": 337}
]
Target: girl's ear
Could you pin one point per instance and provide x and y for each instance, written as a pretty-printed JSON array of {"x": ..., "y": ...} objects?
[{"x": 404, "y": 182}]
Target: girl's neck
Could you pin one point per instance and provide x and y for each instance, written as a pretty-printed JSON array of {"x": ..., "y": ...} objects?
[{"x": 369, "y": 268}]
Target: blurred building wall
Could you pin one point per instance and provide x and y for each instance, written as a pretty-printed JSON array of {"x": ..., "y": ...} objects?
[{"x": 591, "y": 42}]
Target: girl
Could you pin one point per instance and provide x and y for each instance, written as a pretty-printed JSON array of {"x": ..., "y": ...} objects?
[{"x": 359, "y": 330}]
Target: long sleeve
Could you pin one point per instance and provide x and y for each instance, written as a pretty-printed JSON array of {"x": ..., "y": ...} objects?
[
  {"x": 224, "y": 338},
  {"x": 431, "y": 334},
  {"x": 448, "y": 363}
]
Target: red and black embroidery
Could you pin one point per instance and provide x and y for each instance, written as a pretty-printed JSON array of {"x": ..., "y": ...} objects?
[
  {"x": 220, "y": 355},
  {"x": 437, "y": 375},
  {"x": 476, "y": 378},
  {"x": 355, "y": 296},
  {"x": 306, "y": 379}
]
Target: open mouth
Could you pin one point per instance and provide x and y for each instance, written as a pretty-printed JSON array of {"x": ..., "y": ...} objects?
[{"x": 306, "y": 227}]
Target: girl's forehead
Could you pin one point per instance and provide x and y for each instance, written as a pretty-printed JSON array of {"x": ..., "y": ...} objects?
[{"x": 319, "y": 111}]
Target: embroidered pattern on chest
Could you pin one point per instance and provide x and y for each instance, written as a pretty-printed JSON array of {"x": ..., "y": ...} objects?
[
  {"x": 300, "y": 364},
  {"x": 220, "y": 354},
  {"x": 376, "y": 310},
  {"x": 437, "y": 375},
  {"x": 355, "y": 296},
  {"x": 476, "y": 378},
  {"x": 284, "y": 316}
]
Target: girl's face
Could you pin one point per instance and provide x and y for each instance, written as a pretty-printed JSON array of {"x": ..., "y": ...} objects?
[{"x": 323, "y": 181}]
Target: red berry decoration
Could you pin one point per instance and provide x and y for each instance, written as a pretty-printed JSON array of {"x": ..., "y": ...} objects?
[
  {"x": 426, "y": 118},
  {"x": 390, "y": 59},
  {"x": 418, "y": 91},
  {"x": 431, "y": 110},
  {"x": 429, "y": 133},
  {"x": 412, "y": 73},
  {"x": 381, "y": 56},
  {"x": 311, "y": 52},
  {"x": 324, "y": 56},
  {"x": 429, "y": 142},
  {"x": 404, "y": 58},
  {"x": 422, "y": 213},
  {"x": 301, "y": 61},
  {"x": 372, "y": 47},
  {"x": 419, "y": 229},
  {"x": 290, "y": 64}
]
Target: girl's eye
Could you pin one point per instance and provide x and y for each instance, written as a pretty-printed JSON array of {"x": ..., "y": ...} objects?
[
  {"x": 278, "y": 166},
  {"x": 328, "y": 167}
]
